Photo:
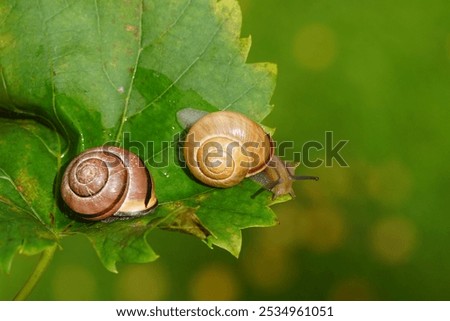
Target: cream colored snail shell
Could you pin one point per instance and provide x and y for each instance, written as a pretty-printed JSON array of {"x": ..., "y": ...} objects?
[
  {"x": 108, "y": 182},
  {"x": 224, "y": 147}
]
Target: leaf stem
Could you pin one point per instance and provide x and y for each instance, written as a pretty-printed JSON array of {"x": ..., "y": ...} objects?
[{"x": 39, "y": 270}]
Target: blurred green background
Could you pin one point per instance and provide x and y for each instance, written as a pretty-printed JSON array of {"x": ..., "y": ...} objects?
[{"x": 376, "y": 73}]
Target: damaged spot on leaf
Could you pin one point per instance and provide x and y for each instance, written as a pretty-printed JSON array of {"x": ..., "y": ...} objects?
[{"x": 186, "y": 221}]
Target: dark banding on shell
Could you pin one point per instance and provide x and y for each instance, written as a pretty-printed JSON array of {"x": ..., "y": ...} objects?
[{"x": 106, "y": 182}]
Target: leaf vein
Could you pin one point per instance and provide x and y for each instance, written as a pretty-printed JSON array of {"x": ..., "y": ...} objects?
[
  {"x": 182, "y": 13},
  {"x": 97, "y": 13},
  {"x": 52, "y": 152},
  {"x": 244, "y": 93},
  {"x": 6, "y": 15},
  {"x": 130, "y": 88},
  {"x": 11, "y": 203},
  {"x": 58, "y": 139},
  {"x": 185, "y": 71},
  {"x": 67, "y": 5},
  {"x": 5, "y": 176},
  {"x": 99, "y": 32}
]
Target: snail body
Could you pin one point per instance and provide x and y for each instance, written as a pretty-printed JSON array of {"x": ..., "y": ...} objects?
[
  {"x": 106, "y": 183},
  {"x": 222, "y": 148},
  {"x": 279, "y": 176}
]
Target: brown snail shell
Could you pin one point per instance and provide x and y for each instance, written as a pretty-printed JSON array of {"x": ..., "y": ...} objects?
[
  {"x": 224, "y": 147},
  {"x": 108, "y": 182},
  {"x": 222, "y": 128}
]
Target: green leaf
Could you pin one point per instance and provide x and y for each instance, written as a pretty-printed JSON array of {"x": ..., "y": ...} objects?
[
  {"x": 79, "y": 74},
  {"x": 27, "y": 207}
]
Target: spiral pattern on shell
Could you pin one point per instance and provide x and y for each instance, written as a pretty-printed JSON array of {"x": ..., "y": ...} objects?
[
  {"x": 222, "y": 148},
  {"x": 107, "y": 181}
]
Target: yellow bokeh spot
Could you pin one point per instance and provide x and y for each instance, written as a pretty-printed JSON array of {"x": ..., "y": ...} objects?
[
  {"x": 321, "y": 229},
  {"x": 269, "y": 267},
  {"x": 73, "y": 282},
  {"x": 283, "y": 234},
  {"x": 215, "y": 282},
  {"x": 142, "y": 282},
  {"x": 390, "y": 184},
  {"x": 352, "y": 289},
  {"x": 393, "y": 240},
  {"x": 339, "y": 183},
  {"x": 315, "y": 47}
]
